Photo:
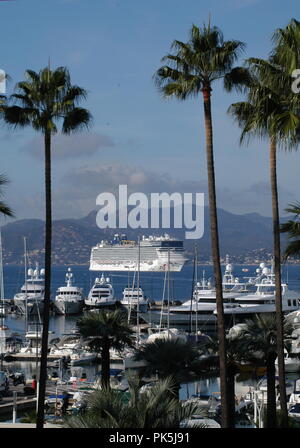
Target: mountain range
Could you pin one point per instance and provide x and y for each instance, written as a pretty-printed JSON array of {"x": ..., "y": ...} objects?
[{"x": 73, "y": 238}]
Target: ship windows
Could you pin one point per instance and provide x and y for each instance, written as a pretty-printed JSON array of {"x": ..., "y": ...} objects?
[{"x": 289, "y": 303}]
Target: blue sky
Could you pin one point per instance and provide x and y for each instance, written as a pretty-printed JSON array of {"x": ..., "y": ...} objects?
[{"x": 112, "y": 48}]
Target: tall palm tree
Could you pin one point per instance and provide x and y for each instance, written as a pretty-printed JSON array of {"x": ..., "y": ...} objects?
[
  {"x": 106, "y": 329},
  {"x": 168, "y": 358},
  {"x": 270, "y": 113},
  {"x": 155, "y": 408},
  {"x": 259, "y": 340},
  {"x": 191, "y": 71},
  {"x": 42, "y": 101},
  {"x": 292, "y": 227},
  {"x": 235, "y": 354}
]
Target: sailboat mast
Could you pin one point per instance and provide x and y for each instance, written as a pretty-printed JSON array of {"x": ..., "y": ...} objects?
[
  {"x": 2, "y": 333},
  {"x": 168, "y": 290},
  {"x": 2, "y": 280},
  {"x": 138, "y": 292},
  {"x": 196, "y": 281},
  {"x": 25, "y": 274},
  {"x": 1, "y": 267}
]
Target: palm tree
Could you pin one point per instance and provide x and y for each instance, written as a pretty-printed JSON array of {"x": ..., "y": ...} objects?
[
  {"x": 155, "y": 408},
  {"x": 235, "y": 353},
  {"x": 4, "y": 208},
  {"x": 42, "y": 101},
  {"x": 268, "y": 112},
  {"x": 193, "y": 68},
  {"x": 286, "y": 50},
  {"x": 106, "y": 329},
  {"x": 169, "y": 358},
  {"x": 292, "y": 227},
  {"x": 259, "y": 340}
]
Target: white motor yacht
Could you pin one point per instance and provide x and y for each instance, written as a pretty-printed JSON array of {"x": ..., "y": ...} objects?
[
  {"x": 291, "y": 362},
  {"x": 31, "y": 298},
  {"x": 263, "y": 299},
  {"x": 101, "y": 294},
  {"x": 134, "y": 299},
  {"x": 198, "y": 312},
  {"x": 72, "y": 348},
  {"x": 69, "y": 299}
]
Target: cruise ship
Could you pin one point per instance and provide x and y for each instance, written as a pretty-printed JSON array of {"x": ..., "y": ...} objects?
[{"x": 156, "y": 254}]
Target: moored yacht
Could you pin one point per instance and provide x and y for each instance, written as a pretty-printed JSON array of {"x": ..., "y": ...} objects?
[
  {"x": 197, "y": 313},
  {"x": 31, "y": 298},
  {"x": 69, "y": 299},
  {"x": 72, "y": 348},
  {"x": 263, "y": 299},
  {"x": 134, "y": 299},
  {"x": 101, "y": 294}
]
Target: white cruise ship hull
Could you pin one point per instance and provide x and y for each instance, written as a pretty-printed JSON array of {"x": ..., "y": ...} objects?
[{"x": 144, "y": 267}]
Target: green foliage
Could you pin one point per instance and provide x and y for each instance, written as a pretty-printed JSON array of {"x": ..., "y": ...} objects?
[
  {"x": 29, "y": 417},
  {"x": 4, "y": 208},
  {"x": 292, "y": 228},
  {"x": 111, "y": 325},
  {"x": 271, "y": 108},
  {"x": 155, "y": 408},
  {"x": 168, "y": 357},
  {"x": 195, "y": 65},
  {"x": 44, "y": 99},
  {"x": 258, "y": 338}
]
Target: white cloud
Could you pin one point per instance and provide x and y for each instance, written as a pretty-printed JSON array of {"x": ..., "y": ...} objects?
[{"x": 70, "y": 146}]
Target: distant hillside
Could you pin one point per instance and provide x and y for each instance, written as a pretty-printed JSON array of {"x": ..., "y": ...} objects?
[{"x": 73, "y": 238}]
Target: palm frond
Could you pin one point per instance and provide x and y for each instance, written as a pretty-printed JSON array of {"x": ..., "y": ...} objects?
[{"x": 205, "y": 58}]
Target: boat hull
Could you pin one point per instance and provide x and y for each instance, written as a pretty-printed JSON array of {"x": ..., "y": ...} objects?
[
  {"x": 68, "y": 307},
  {"x": 34, "y": 306},
  {"x": 205, "y": 323}
]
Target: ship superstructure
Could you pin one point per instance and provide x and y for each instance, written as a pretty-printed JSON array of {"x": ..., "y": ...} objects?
[{"x": 156, "y": 254}]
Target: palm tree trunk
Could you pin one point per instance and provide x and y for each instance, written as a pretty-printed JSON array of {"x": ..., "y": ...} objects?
[
  {"x": 271, "y": 391},
  {"x": 278, "y": 293},
  {"x": 105, "y": 364},
  {"x": 216, "y": 255},
  {"x": 231, "y": 392},
  {"x": 48, "y": 237}
]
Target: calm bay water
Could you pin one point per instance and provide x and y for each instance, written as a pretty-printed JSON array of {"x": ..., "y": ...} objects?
[{"x": 151, "y": 282}]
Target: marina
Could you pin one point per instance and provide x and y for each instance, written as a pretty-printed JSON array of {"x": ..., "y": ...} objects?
[{"x": 67, "y": 352}]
